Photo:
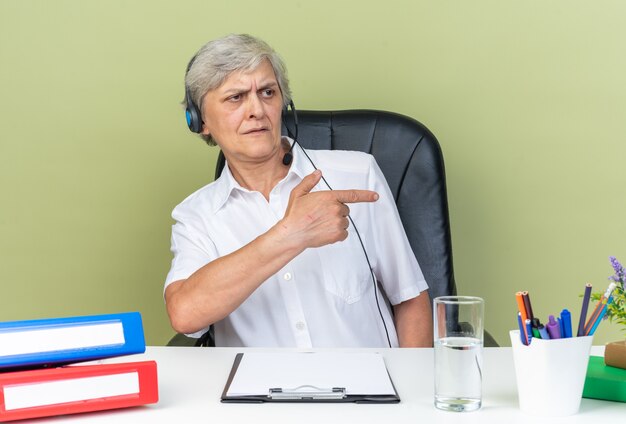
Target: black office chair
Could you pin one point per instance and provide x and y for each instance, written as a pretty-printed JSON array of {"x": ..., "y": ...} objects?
[{"x": 411, "y": 160}]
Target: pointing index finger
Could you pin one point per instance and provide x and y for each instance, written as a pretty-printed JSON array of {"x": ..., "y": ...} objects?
[{"x": 355, "y": 196}]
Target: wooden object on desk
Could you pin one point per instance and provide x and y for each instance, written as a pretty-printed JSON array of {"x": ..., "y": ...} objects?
[{"x": 615, "y": 354}]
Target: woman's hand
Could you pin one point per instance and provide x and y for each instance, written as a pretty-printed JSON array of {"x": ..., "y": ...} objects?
[{"x": 319, "y": 218}]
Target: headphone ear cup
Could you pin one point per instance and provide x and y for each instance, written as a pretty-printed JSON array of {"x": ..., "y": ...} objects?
[
  {"x": 194, "y": 122},
  {"x": 193, "y": 119}
]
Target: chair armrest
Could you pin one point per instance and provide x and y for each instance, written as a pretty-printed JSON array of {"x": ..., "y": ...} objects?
[{"x": 182, "y": 340}]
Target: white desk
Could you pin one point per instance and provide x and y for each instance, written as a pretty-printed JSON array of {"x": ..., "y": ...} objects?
[{"x": 191, "y": 382}]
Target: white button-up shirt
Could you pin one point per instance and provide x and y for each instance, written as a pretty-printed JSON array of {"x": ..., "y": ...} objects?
[{"x": 325, "y": 296}]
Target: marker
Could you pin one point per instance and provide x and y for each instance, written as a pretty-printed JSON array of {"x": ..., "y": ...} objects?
[
  {"x": 553, "y": 328},
  {"x": 566, "y": 321},
  {"x": 535, "y": 332},
  {"x": 529, "y": 330},
  {"x": 535, "y": 322},
  {"x": 543, "y": 332},
  {"x": 535, "y": 327}
]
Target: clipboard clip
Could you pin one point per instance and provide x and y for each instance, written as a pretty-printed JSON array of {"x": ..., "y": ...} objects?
[{"x": 307, "y": 392}]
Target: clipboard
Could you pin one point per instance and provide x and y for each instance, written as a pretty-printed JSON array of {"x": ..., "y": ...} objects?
[{"x": 311, "y": 377}]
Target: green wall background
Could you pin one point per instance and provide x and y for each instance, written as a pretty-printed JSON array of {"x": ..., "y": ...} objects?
[{"x": 528, "y": 100}]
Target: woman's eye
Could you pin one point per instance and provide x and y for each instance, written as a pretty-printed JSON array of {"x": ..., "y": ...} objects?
[
  {"x": 269, "y": 92},
  {"x": 235, "y": 98}
]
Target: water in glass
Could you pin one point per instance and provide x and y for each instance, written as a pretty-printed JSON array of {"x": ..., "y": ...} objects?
[{"x": 458, "y": 373}]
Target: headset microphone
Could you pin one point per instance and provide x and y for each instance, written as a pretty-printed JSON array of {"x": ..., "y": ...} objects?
[{"x": 288, "y": 156}]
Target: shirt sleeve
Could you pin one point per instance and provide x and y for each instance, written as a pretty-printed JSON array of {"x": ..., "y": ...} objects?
[
  {"x": 395, "y": 265},
  {"x": 192, "y": 249}
]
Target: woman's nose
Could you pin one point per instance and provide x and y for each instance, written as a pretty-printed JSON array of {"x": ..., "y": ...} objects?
[{"x": 256, "y": 108}]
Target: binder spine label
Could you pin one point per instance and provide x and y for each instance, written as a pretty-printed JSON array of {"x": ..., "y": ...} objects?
[
  {"x": 29, "y": 395},
  {"x": 61, "y": 337}
]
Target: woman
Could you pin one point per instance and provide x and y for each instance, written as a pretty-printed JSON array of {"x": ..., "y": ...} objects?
[{"x": 267, "y": 253}]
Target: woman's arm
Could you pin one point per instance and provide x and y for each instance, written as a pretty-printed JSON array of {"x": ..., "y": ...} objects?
[
  {"x": 414, "y": 322},
  {"x": 218, "y": 288}
]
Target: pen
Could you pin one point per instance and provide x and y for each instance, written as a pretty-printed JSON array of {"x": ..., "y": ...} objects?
[
  {"x": 522, "y": 310},
  {"x": 583, "y": 311},
  {"x": 599, "y": 307},
  {"x": 600, "y": 316},
  {"x": 527, "y": 305},
  {"x": 566, "y": 322},
  {"x": 553, "y": 328},
  {"x": 529, "y": 331},
  {"x": 521, "y": 329}
]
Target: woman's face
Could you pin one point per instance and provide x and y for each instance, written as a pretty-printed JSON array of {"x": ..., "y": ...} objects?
[{"x": 244, "y": 115}]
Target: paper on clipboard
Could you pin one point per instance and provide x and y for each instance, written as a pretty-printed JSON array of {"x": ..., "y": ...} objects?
[{"x": 358, "y": 373}]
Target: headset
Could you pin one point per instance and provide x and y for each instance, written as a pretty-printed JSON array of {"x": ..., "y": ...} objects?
[
  {"x": 194, "y": 122},
  {"x": 192, "y": 112}
]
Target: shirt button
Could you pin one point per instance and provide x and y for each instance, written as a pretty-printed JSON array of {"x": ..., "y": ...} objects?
[
  {"x": 300, "y": 325},
  {"x": 287, "y": 276}
]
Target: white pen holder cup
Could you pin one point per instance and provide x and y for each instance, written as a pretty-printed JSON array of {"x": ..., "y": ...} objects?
[{"x": 550, "y": 374}]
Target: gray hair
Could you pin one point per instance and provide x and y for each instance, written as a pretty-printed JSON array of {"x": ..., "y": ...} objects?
[{"x": 217, "y": 59}]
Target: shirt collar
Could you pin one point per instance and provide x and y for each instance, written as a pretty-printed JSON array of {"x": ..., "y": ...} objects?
[{"x": 226, "y": 183}]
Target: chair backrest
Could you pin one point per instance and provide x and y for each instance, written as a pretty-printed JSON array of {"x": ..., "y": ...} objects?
[{"x": 410, "y": 158}]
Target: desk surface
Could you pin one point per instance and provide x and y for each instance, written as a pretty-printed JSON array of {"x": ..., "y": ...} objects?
[{"x": 191, "y": 382}]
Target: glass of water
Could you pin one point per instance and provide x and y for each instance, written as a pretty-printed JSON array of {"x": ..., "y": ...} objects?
[{"x": 458, "y": 333}]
